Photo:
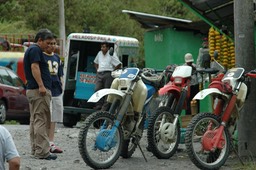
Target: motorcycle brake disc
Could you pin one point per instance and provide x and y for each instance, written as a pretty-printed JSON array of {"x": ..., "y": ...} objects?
[{"x": 167, "y": 133}]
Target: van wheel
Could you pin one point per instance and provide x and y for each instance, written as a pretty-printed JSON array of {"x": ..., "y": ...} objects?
[
  {"x": 70, "y": 120},
  {"x": 2, "y": 112}
]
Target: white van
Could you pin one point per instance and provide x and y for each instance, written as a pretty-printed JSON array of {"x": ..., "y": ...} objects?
[{"x": 80, "y": 73}]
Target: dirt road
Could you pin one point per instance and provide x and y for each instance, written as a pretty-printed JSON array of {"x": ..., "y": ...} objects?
[{"x": 70, "y": 159}]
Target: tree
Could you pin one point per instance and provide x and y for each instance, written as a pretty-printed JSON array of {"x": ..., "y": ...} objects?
[{"x": 102, "y": 17}]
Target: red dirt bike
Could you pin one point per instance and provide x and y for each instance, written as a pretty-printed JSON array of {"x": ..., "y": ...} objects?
[
  {"x": 208, "y": 135},
  {"x": 164, "y": 127}
]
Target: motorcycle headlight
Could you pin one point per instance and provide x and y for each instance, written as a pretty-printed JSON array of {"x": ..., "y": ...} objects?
[
  {"x": 122, "y": 82},
  {"x": 178, "y": 80}
]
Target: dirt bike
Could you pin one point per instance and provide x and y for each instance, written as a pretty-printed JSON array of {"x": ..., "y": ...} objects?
[
  {"x": 208, "y": 137},
  {"x": 164, "y": 126},
  {"x": 106, "y": 135}
]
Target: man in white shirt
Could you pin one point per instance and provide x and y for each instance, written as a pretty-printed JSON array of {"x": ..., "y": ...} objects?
[
  {"x": 105, "y": 63},
  {"x": 8, "y": 151}
]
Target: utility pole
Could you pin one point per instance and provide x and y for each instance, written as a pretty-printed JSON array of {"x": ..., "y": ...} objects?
[
  {"x": 245, "y": 57},
  {"x": 62, "y": 29}
]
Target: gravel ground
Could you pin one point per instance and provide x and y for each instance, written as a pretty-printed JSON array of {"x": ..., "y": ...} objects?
[{"x": 70, "y": 159}]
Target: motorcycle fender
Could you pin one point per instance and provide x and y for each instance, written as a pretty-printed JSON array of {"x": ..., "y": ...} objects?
[
  {"x": 104, "y": 92},
  {"x": 168, "y": 88},
  {"x": 202, "y": 94}
]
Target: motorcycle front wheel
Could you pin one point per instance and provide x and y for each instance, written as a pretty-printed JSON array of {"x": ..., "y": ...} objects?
[
  {"x": 163, "y": 137},
  {"x": 196, "y": 130},
  {"x": 93, "y": 137}
]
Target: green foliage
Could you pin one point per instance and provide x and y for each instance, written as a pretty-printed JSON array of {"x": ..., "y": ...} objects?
[
  {"x": 41, "y": 14},
  {"x": 11, "y": 122},
  {"x": 10, "y": 10},
  {"x": 175, "y": 9},
  {"x": 18, "y": 27},
  {"x": 102, "y": 17}
]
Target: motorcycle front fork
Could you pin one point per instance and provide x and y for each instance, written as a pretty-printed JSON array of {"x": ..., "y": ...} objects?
[
  {"x": 163, "y": 121},
  {"x": 216, "y": 141}
]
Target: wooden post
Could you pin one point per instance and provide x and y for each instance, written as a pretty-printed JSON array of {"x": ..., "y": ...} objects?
[
  {"x": 245, "y": 57},
  {"x": 62, "y": 27}
]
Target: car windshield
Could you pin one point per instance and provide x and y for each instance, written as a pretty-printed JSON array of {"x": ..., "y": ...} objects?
[
  {"x": 16, "y": 81},
  {"x": 9, "y": 78},
  {"x": 5, "y": 77}
]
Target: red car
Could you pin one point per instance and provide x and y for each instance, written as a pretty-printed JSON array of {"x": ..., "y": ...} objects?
[{"x": 14, "y": 104}]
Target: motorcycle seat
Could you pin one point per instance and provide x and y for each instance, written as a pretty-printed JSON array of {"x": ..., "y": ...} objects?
[
  {"x": 156, "y": 80},
  {"x": 224, "y": 87},
  {"x": 208, "y": 70}
]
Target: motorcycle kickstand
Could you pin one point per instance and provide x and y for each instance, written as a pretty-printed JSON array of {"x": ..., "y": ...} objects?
[
  {"x": 240, "y": 159},
  {"x": 137, "y": 143}
]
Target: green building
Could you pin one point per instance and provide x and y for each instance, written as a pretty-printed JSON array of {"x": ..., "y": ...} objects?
[
  {"x": 168, "y": 39},
  {"x": 169, "y": 45}
]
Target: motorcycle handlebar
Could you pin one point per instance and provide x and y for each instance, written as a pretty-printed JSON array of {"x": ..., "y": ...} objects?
[
  {"x": 208, "y": 70},
  {"x": 251, "y": 74}
]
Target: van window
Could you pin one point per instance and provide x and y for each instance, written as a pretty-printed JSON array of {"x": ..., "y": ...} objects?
[{"x": 73, "y": 64}]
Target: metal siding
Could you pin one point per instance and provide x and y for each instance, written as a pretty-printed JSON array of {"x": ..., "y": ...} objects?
[
  {"x": 175, "y": 44},
  {"x": 171, "y": 48}
]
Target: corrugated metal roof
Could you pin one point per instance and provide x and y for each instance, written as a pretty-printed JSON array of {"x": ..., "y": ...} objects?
[
  {"x": 154, "y": 21},
  {"x": 217, "y": 12},
  {"x": 151, "y": 21}
]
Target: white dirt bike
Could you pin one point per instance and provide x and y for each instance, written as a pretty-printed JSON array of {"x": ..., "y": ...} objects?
[{"x": 106, "y": 135}]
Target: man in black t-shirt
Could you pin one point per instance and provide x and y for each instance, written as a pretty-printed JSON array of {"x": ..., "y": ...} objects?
[{"x": 39, "y": 94}]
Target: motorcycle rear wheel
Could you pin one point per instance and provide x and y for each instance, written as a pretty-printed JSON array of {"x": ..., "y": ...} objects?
[
  {"x": 196, "y": 129},
  {"x": 91, "y": 154},
  {"x": 162, "y": 149},
  {"x": 129, "y": 147}
]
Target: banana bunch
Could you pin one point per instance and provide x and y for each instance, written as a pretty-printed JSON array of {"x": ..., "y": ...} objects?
[
  {"x": 218, "y": 44},
  {"x": 211, "y": 40},
  {"x": 232, "y": 54},
  {"x": 224, "y": 46},
  {"x": 228, "y": 49},
  {"x": 224, "y": 51}
]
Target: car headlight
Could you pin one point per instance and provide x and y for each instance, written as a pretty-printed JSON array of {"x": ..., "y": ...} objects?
[{"x": 177, "y": 80}]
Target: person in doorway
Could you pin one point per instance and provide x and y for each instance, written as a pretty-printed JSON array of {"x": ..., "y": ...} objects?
[
  {"x": 8, "y": 151},
  {"x": 73, "y": 63},
  {"x": 194, "y": 84},
  {"x": 203, "y": 51},
  {"x": 56, "y": 71},
  {"x": 105, "y": 63},
  {"x": 132, "y": 63},
  {"x": 39, "y": 84}
]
